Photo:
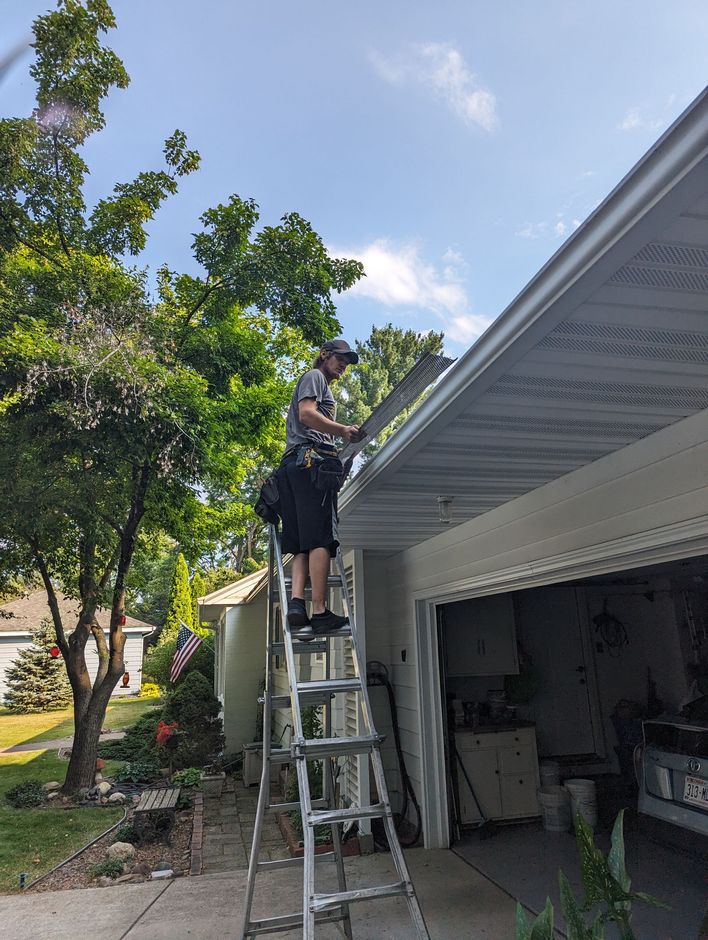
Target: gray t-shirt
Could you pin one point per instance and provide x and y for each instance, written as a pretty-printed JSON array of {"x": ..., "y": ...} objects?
[{"x": 313, "y": 384}]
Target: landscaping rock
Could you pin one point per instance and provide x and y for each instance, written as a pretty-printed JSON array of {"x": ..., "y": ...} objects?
[
  {"x": 51, "y": 786},
  {"x": 122, "y": 850},
  {"x": 125, "y": 879},
  {"x": 104, "y": 788},
  {"x": 64, "y": 753},
  {"x": 84, "y": 793},
  {"x": 105, "y": 882},
  {"x": 53, "y": 795},
  {"x": 117, "y": 797},
  {"x": 98, "y": 778},
  {"x": 162, "y": 873}
]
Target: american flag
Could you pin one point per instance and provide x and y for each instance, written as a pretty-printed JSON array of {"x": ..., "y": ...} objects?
[{"x": 187, "y": 645}]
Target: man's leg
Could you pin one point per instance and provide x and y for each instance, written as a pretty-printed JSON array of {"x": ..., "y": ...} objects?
[
  {"x": 300, "y": 571},
  {"x": 319, "y": 570}
]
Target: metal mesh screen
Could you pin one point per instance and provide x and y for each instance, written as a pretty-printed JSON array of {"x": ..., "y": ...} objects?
[{"x": 426, "y": 370}]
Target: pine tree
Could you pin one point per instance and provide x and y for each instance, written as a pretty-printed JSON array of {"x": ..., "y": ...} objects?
[
  {"x": 180, "y": 608},
  {"x": 37, "y": 681}
]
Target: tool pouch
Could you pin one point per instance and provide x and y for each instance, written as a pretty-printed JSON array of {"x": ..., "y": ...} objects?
[
  {"x": 328, "y": 473},
  {"x": 267, "y": 504}
]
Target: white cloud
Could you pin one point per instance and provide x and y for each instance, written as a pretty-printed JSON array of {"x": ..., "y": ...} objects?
[
  {"x": 441, "y": 69},
  {"x": 532, "y": 230},
  {"x": 560, "y": 228},
  {"x": 637, "y": 119},
  {"x": 397, "y": 276}
]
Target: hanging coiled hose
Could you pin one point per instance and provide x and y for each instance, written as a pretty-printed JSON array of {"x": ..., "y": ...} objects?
[{"x": 377, "y": 674}]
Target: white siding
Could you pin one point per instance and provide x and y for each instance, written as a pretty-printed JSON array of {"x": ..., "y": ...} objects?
[
  {"x": 132, "y": 657},
  {"x": 605, "y": 516},
  {"x": 10, "y": 646},
  {"x": 243, "y": 651}
]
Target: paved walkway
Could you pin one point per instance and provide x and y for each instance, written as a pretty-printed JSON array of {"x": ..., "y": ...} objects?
[
  {"x": 55, "y": 743},
  {"x": 228, "y": 830},
  {"x": 456, "y": 900}
]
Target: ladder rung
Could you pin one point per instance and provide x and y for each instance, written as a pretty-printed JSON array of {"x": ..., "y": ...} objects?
[
  {"x": 314, "y": 646},
  {"x": 286, "y": 921},
  {"x": 329, "y": 686},
  {"x": 327, "y": 902},
  {"x": 306, "y": 698},
  {"x": 318, "y": 818},
  {"x": 296, "y": 862},
  {"x": 316, "y": 748},
  {"x": 281, "y": 755},
  {"x": 290, "y": 807},
  {"x": 333, "y": 580}
]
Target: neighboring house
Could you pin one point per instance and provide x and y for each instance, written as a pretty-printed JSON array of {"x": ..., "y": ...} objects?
[
  {"x": 570, "y": 444},
  {"x": 18, "y": 619}
]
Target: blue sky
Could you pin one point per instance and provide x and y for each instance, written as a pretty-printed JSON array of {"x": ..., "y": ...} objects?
[{"x": 451, "y": 146}]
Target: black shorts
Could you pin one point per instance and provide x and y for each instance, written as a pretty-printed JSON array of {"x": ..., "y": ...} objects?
[{"x": 309, "y": 515}]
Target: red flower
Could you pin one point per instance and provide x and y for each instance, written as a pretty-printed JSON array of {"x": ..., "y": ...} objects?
[{"x": 165, "y": 732}]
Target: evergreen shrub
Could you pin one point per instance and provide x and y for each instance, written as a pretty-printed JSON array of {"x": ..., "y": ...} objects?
[
  {"x": 36, "y": 680},
  {"x": 195, "y": 708}
]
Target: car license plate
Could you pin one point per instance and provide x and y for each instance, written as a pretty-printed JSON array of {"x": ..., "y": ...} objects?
[{"x": 695, "y": 790}]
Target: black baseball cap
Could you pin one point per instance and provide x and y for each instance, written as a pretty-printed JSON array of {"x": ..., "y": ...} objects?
[{"x": 342, "y": 348}]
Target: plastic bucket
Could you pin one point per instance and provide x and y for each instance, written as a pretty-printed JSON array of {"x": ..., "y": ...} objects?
[
  {"x": 583, "y": 799},
  {"x": 555, "y": 806},
  {"x": 549, "y": 771}
]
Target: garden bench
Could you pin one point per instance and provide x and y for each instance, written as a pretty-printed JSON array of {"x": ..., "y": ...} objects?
[{"x": 154, "y": 816}]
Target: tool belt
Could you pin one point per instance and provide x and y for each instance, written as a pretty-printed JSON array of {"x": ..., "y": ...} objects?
[{"x": 325, "y": 467}]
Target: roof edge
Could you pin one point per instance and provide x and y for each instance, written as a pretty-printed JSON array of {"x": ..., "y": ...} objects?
[{"x": 664, "y": 165}]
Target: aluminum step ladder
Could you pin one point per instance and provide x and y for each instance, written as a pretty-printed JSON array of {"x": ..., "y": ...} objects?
[{"x": 332, "y": 906}]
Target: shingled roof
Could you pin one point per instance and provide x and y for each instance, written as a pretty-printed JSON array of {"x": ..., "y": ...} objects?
[{"x": 26, "y": 613}]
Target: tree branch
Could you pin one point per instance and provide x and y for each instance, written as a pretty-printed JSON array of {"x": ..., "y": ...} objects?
[
  {"x": 23, "y": 241},
  {"x": 51, "y": 597}
]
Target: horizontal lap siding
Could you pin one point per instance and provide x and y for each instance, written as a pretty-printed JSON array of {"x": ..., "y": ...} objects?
[
  {"x": 244, "y": 662},
  {"x": 659, "y": 481}
]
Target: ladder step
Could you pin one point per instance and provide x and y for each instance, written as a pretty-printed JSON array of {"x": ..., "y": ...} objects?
[
  {"x": 329, "y": 686},
  {"x": 296, "y": 862},
  {"x": 287, "y": 921},
  {"x": 290, "y": 807},
  {"x": 306, "y": 698},
  {"x": 316, "y": 748},
  {"x": 327, "y": 902},
  {"x": 281, "y": 755},
  {"x": 318, "y": 818},
  {"x": 333, "y": 580},
  {"x": 314, "y": 646}
]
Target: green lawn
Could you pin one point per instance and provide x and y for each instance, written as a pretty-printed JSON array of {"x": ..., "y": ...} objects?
[
  {"x": 35, "y": 840},
  {"x": 23, "y": 729}
]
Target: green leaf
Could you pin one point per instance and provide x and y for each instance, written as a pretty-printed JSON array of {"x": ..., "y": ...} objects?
[
  {"x": 650, "y": 899},
  {"x": 616, "y": 856},
  {"x": 575, "y": 924},
  {"x": 523, "y": 931},
  {"x": 543, "y": 926}
]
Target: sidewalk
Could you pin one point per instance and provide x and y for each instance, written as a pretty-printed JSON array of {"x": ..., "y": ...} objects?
[
  {"x": 228, "y": 830},
  {"x": 456, "y": 900}
]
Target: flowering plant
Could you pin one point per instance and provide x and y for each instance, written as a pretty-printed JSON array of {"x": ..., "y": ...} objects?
[{"x": 165, "y": 731}]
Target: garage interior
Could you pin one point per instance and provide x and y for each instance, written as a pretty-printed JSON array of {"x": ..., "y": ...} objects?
[{"x": 568, "y": 679}]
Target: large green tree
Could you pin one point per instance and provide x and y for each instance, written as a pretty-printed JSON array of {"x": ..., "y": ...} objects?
[
  {"x": 36, "y": 680},
  {"x": 384, "y": 359},
  {"x": 122, "y": 411}
]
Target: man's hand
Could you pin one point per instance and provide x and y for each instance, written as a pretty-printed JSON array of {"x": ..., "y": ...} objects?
[{"x": 352, "y": 433}]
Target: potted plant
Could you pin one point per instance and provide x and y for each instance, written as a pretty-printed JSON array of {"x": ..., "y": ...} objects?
[{"x": 213, "y": 777}]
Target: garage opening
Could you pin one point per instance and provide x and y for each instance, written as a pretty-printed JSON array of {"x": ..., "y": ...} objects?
[{"x": 566, "y": 681}]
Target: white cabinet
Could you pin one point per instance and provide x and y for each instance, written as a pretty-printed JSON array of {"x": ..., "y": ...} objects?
[
  {"x": 480, "y": 639},
  {"x": 503, "y": 769}
]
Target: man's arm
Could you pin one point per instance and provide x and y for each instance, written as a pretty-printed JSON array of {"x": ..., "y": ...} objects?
[{"x": 312, "y": 418}]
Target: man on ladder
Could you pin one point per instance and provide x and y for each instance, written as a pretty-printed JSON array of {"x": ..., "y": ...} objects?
[{"x": 308, "y": 479}]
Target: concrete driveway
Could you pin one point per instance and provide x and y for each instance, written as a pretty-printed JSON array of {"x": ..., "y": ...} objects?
[{"x": 458, "y": 903}]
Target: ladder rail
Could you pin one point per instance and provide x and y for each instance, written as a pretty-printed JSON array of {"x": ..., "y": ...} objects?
[{"x": 316, "y": 908}]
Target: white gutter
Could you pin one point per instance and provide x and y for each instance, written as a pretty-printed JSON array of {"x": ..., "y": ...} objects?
[{"x": 678, "y": 151}]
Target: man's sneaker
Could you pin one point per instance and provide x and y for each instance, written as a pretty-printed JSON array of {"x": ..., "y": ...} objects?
[
  {"x": 302, "y": 634},
  {"x": 328, "y": 622},
  {"x": 297, "y": 613}
]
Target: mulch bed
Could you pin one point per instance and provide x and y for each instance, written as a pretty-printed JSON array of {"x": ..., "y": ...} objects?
[{"x": 76, "y": 874}]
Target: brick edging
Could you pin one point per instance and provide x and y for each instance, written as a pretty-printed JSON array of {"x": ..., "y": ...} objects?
[{"x": 195, "y": 867}]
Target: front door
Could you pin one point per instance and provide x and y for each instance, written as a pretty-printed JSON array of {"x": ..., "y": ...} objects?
[{"x": 550, "y": 628}]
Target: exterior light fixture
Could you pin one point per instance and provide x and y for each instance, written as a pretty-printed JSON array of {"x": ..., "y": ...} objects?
[{"x": 444, "y": 508}]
